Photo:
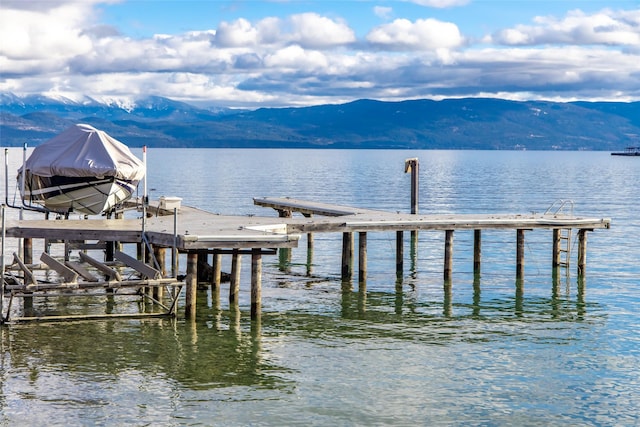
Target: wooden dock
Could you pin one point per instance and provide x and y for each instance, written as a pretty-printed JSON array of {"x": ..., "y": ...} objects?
[{"x": 200, "y": 234}]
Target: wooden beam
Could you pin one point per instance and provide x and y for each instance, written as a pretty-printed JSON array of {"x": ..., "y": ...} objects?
[
  {"x": 142, "y": 268},
  {"x": 28, "y": 275},
  {"x": 83, "y": 272},
  {"x": 68, "y": 274},
  {"x": 108, "y": 271}
]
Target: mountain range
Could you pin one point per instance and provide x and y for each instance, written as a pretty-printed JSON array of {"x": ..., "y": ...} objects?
[{"x": 468, "y": 123}]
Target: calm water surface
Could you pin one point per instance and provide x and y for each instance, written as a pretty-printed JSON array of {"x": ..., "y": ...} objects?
[{"x": 561, "y": 352}]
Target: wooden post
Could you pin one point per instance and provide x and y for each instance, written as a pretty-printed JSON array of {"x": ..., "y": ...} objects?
[
  {"x": 477, "y": 251},
  {"x": 520, "y": 254},
  {"x": 27, "y": 256},
  {"x": 448, "y": 255},
  {"x": 309, "y": 253},
  {"x": 362, "y": 258},
  {"x": 555, "y": 255},
  {"x": 256, "y": 283},
  {"x": 191, "y": 285},
  {"x": 399, "y": 253},
  {"x": 284, "y": 254},
  {"x": 413, "y": 166},
  {"x": 216, "y": 279},
  {"x": 582, "y": 251},
  {"x": 347, "y": 256},
  {"x": 160, "y": 256},
  {"x": 234, "y": 287}
]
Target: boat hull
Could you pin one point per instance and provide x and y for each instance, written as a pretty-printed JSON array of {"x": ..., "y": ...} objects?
[{"x": 90, "y": 196}]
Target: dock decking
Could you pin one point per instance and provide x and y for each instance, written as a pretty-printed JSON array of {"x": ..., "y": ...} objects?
[{"x": 199, "y": 234}]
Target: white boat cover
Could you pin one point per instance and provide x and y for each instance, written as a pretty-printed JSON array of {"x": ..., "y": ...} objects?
[{"x": 84, "y": 151}]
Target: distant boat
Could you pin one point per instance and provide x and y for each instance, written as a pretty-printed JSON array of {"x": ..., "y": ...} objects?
[
  {"x": 82, "y": 170},
  {"x": 629, "y": 151}
]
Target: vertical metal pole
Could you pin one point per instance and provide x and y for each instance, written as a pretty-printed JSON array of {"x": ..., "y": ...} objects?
[
  {"x": 2, "y": 268},
  {"x": 174, "y": 249}
]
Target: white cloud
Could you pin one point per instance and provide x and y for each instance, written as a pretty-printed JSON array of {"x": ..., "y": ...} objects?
[
  {"x": 309, "y": 58},
  {"x": 440, "y": 3},
  {"x": 423, "y": 34},
  {"x": 313, "y": 30},
  {"x": 235, "y": 34},
  {"x": 606, "y": 28},
  {"x": 33, "y": 35},
  {"x": 383, "y": 12}
]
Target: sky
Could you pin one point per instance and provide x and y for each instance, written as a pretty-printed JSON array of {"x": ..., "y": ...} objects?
[{"x": 280, "y": 53}]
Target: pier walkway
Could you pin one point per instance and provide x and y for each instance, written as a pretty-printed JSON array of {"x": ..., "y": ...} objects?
[{"x": 199, "y": 234}]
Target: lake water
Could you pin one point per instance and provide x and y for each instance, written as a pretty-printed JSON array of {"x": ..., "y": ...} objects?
[{"x": 561, "y": 352}]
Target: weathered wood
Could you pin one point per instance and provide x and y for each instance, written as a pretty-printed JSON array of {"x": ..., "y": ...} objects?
[
  {"x": 448, "y": 255},
  {"x": 582, "y": 252},
  {"x": 28, "y": 274},
  {"x": 477, "y": 251},
  {"x": 555, "y": 252},
  {"x": 256, "y": 284},
  {"x": 234, "y": 286},
  {"x": 362, "y": 257},
  {"x": 399, "y": 253},
  {"x": 27, "y": 255},
  {"x": 413, "y": 166},
  {"x": 520, "y": 254},
  {"x": 108, "y": 271},
  {"x": 160, "y": 255},
  {"x": 139, "y": 266},
  {"x": 83, "y": 272},
  {"x": 191, "y": 285},
  {"x": 347, "y": 256},
  {"x": 216, "y": 272},
  {"x": 68, "y": 274}
]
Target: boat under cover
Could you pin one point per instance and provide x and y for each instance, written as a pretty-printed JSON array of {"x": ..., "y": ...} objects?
[{"x": 82, "y": 170}]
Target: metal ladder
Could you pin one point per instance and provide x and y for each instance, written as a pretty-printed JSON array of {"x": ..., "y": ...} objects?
[{"x": 564, "y": 233}]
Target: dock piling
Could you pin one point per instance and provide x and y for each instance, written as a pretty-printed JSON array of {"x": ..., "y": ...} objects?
[
  {"x": 477, "y": 252},
  {"x": 448, "y": 255},
  {"x": 582, "y": 252},
  {"x": 234, "y": 287},
  {"x": 191, "y": 285},
  {"x": 520, "y": 254},
  {"x": 347, "y": 256},
  {"x": 362, "y": 258},
  {"x": 256, "y": 283}
]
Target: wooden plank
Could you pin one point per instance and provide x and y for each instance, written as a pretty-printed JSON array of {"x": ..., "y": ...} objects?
[
  {"x": 139, "y": 266},
  {"x": 110, "y": 272},
  {"x": 68, "y": 274},
  {"x": 28, "y": 275},
  {"x": 307, "y": 207},
  {"x": 83, "y": 272}
]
